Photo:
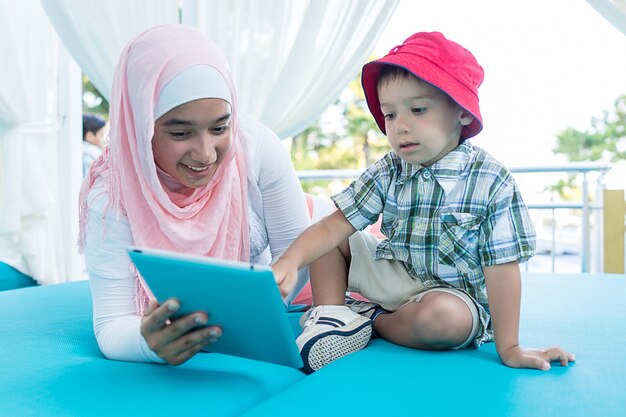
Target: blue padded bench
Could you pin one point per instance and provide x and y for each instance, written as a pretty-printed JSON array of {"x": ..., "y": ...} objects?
[
  {"x": 50, "y": 365},
  {"x": 11, "y": 278}
]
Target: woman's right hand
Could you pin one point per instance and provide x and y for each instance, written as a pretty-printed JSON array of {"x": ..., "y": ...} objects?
[{"x": 176, "y": 340}]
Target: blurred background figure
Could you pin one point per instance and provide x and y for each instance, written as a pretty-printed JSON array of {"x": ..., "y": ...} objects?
[{"x": 95, "y": 130}]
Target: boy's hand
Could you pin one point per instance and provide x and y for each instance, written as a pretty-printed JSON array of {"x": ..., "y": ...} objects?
[
  {"x": 519, "y": 357},
  {"x": 285, "y": 277},
  {"x": 316, "y": 241}
]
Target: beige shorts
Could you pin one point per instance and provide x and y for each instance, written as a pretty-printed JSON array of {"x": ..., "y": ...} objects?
[{"x": 386, "y": 282}]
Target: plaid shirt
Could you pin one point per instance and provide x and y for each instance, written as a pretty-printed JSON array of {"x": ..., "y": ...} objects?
[{"x": 444, "y": 222}]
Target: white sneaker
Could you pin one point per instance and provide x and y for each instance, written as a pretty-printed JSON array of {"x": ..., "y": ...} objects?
[{"x": 331, "y": 332}]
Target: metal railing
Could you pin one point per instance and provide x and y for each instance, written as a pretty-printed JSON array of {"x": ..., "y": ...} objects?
[{"x": 585, "y": 204}]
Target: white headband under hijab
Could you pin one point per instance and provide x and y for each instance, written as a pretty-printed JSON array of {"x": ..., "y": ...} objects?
[{"x": 194, "y": 83}]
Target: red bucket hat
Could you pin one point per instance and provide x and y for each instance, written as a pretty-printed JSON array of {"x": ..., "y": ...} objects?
[{"x": 438, "y": 61}]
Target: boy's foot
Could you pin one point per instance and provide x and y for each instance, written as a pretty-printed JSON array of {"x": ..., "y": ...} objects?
[{"x": 331, "y": 332}]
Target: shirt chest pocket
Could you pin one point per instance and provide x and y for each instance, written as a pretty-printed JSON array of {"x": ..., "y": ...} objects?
[{"x": 458, "y": 240}]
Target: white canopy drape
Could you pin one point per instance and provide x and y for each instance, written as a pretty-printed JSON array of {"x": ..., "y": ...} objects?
[
  {"x": 30, "y": 227},
  {"x": 95, "y": 31},
  {"x": 290, "y": 60},
  {"x": 612, "y": 10}
]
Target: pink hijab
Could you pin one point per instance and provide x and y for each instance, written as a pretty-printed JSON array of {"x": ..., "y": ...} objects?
[{"x": 162, "y": 213}]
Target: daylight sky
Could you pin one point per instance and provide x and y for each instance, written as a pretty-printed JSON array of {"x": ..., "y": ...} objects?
[{"x": 549, "y": 64}]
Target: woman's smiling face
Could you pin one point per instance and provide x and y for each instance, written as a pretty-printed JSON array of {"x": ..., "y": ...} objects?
[{"x": 191, "y": 140}]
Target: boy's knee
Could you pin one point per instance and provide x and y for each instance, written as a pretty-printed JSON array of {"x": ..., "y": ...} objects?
[{"x": 442, "y": 321}]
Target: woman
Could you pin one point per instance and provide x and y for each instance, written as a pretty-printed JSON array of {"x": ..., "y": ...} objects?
[{"x": 184, "y": 171}]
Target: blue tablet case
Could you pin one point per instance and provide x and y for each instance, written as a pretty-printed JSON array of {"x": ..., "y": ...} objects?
[{"x": 240, "y": 297}]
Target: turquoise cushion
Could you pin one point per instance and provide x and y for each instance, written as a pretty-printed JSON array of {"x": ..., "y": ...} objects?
[
  {"x": 585, "y": 314},
  {"x": 51, "y": 365},
  {"x": 11, "y": 278}
]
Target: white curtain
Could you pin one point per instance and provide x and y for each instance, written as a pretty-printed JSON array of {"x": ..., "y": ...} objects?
[
  {"x": 95, "y": 31},
  {"x": 291, "y": 58},
  {"x": 30, "y": 230},
  {"x": 612, "y": 10}
]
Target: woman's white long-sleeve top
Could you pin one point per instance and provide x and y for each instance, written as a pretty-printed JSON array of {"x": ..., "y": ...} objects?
[{"x": 277, "y": 212}]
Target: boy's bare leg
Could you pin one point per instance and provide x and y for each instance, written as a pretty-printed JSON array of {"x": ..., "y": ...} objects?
[
  {"x": 331, "y": 330},
  {"x": 438, "y": 321},
  {"x": 329, "y": 276}
]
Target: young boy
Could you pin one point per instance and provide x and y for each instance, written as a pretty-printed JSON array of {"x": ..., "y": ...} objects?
[
  {"x": 455, "y": 223},
  {"x": 94, "y": 139}
]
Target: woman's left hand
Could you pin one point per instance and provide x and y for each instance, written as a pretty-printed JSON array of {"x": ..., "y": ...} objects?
[{"x": 176, "y": 340}]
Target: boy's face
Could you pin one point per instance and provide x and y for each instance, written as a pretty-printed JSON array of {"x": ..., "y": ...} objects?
[
  {"x": 422, "y": 123},
  {"x": 98, "y": 138}
]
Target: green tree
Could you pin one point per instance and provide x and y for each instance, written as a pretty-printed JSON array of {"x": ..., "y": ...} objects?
[
  {"x": 362, "y": 128},
  {"x": 93, "y": 101},
  {"x": 604, "y": 140},
  {"x": 344, "y": 137}
]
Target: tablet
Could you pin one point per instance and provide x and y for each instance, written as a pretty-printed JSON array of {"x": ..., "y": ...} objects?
[{"x": 242, "y": 298}]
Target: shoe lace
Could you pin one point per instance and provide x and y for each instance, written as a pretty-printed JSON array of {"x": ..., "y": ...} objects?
[{"x": 312, "y": 317}]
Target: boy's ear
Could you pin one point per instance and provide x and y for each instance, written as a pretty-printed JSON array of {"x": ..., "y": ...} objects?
[{"x": 466, "y": 118}]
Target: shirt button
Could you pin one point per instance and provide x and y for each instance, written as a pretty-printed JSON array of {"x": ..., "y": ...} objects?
[{"x": 426, "y": 175}]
